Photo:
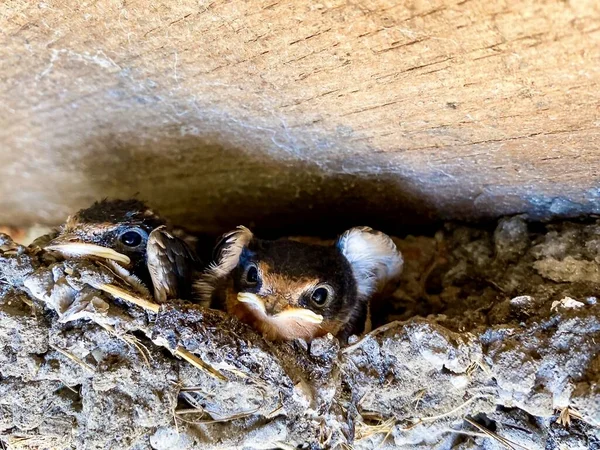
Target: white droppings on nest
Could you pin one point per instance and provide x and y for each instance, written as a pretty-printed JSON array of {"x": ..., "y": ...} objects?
[
  {"x": 522, "y": 300},
  {"x": 567, "y": 303}
]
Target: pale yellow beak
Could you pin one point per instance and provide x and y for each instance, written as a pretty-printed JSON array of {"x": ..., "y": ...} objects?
[
  {"x": 84, "y": 249},
  {"x": 293, "y": 313},
  {"x": 252, "y": 300},
  {"x": 301, "y": 314}
]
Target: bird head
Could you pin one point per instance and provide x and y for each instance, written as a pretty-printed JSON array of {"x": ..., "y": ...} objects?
[
  {"x": 288, "y": 289},
  {"x": 117, "y": 230}
]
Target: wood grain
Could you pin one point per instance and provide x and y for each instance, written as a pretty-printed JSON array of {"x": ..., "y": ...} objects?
[{"x": 278, "y": 113}]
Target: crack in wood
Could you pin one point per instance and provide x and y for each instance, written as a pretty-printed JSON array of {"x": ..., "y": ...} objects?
[
  {"x": 407, "y": 44},
  {"x": 310, "y": 36},
  {"x": 370, "y": 108},
  {"x": 493, "y": 141},
  {"x": 299, "y": 102}
]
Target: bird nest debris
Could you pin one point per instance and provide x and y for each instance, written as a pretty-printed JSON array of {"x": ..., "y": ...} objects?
[{"x": 491, "y": 341}]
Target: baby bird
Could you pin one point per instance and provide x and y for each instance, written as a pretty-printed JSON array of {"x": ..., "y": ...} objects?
[
  {"x": 129, "y": 233},
  {"x": 287, "y": 289}
]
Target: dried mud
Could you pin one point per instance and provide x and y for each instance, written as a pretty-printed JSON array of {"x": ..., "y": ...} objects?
[{"x": 491, "y": 336}]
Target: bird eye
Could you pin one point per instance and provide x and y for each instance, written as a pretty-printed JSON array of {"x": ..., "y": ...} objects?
[
  {"x": 320, "y": 295},
  {"x": 131, "y": 238},
  {"x": 252, "y": 275}
]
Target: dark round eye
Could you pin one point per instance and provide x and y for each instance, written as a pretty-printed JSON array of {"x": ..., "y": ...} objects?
[
  {"x": 320, "y": 296},
  {"x": 131, "y": 238},
  {"x": 252, "y": 275}
]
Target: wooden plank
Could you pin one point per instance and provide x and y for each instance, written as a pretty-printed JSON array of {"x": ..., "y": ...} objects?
[{"x": 280, "y": 112}]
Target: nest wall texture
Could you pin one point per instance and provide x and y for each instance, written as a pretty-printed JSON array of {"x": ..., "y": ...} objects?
[{"x": 507, "y": 343}]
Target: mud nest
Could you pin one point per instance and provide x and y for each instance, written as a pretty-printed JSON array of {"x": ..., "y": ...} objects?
[{"x": 492, "y": 341}]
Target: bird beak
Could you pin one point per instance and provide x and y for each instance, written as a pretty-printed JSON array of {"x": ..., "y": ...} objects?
[
  {"x": 70, "y": 245},
  {"x": 300, "y": 314},
  {"x": 292, "y": 313},
  {"x": 252, "y": 300}
]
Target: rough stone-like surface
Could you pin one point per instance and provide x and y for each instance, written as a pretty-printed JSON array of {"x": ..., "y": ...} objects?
[
  {"x": 294, "y": 111},
  {"x": 488, "y": 333}
]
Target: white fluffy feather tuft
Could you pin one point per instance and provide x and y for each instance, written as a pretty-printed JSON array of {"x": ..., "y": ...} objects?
[
  {"x": 374, "y": 258},
  {"x": 226, "y": 261}
]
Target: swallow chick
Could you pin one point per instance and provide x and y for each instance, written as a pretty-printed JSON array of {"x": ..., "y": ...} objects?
[
  {"x": 129, "y": 235},
  {"x": 288, "y": 289}
]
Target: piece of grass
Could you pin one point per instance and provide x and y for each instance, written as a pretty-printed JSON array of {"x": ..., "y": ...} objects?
[
  {"x": 285, "y": 446},
  {"x": 121, "y": 293},
  {"x": 198, "y": 363},
  {"x": 221, "y": 420},
  {"x": 192, "y": 400},
  {"x": 73, "y": 358},
  {"x": 375, "y": 332},
  {"x": 273, "y": 413},
  {"x": 465, "y": 432},
  {"x": 154, "y": 307},
  {"x": 192, "y": 389},
  {"x": 130, "y": 340},
  {"x": 566, "y": 414},
  {"x": 36, "y": 442},
  {"x": 135, "y": 342},
  {"x": 418, "y": 397},
  {"x": 183, "y": 411},
  {"x": 364, "y": 431},
  {"x": 505, "y": 442},
  {"x": 446, "y": 414}
]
